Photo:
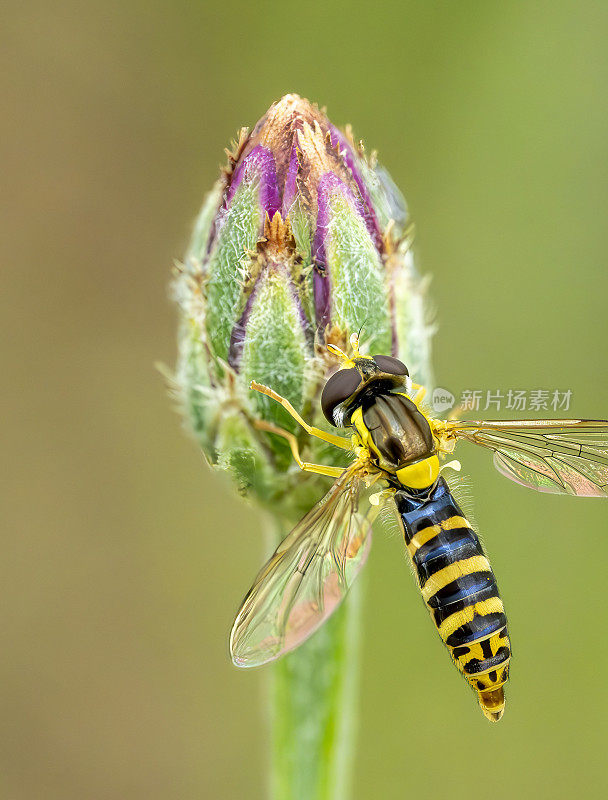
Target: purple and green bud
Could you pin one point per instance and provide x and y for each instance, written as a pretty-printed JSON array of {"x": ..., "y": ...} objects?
[{"x": 303, "y": 241}]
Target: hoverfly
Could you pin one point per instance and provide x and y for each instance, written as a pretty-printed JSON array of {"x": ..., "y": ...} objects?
[{"x": 398, "y": 448}]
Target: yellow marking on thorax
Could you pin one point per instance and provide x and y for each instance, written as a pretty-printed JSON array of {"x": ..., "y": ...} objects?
[
  {"x": 362, "y": 431},
  {"x": 491, "y": 606},
  {"x": 419, "y": 475},
  {"x": 426, "y": 534},
  {"x": 448, "y": 574}
]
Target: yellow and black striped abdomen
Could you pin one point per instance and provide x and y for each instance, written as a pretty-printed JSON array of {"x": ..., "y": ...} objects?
[{"x": 459, "y": 589}]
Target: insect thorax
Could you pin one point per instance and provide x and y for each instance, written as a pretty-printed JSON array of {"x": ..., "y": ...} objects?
[{"x": 393, "y": 428}]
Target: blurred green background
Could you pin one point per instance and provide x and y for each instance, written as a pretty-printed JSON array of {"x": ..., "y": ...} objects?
[{"x": 124, "y": 558}]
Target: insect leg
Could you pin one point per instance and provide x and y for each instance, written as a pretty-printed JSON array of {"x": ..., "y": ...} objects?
[
  {"x": 319, "y": 469},
  {"x": 338, "y": 441}
]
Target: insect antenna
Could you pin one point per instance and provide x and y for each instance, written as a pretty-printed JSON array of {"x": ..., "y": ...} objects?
[{"x": 363, "y": 324}]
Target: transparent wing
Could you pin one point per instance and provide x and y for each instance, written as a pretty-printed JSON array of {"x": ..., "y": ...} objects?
[
  {"x": 564, "y": 456},
  {"x": 307, "y": 576}
]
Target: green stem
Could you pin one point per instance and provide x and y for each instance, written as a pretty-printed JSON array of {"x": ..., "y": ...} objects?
[{"x": 313, "y": 704}]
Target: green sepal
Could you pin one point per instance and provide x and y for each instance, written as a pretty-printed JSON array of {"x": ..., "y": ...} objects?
[
  {"x": 276, "y": 352},
  {"x": 359, "y": 296},
  {"x": 193, "y": 378},
  {"x": 387, "y": 201},
  {"x": 413, "y": 319},
  {"x": 227, "y": 265},
  {"x": 301, "y": 230},
  {"x": 242, "y": 455}
]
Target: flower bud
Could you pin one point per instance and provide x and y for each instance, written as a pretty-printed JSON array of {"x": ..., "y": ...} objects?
[{"x": 303, "y": 241}]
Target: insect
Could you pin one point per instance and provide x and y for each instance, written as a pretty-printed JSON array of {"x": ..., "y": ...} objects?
[{"x": 398, "y": 451}]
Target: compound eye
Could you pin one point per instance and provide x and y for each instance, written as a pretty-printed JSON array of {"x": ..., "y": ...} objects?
[
  {"x": 338, "y": 389},
  {"x": 391, "y": 365}
]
